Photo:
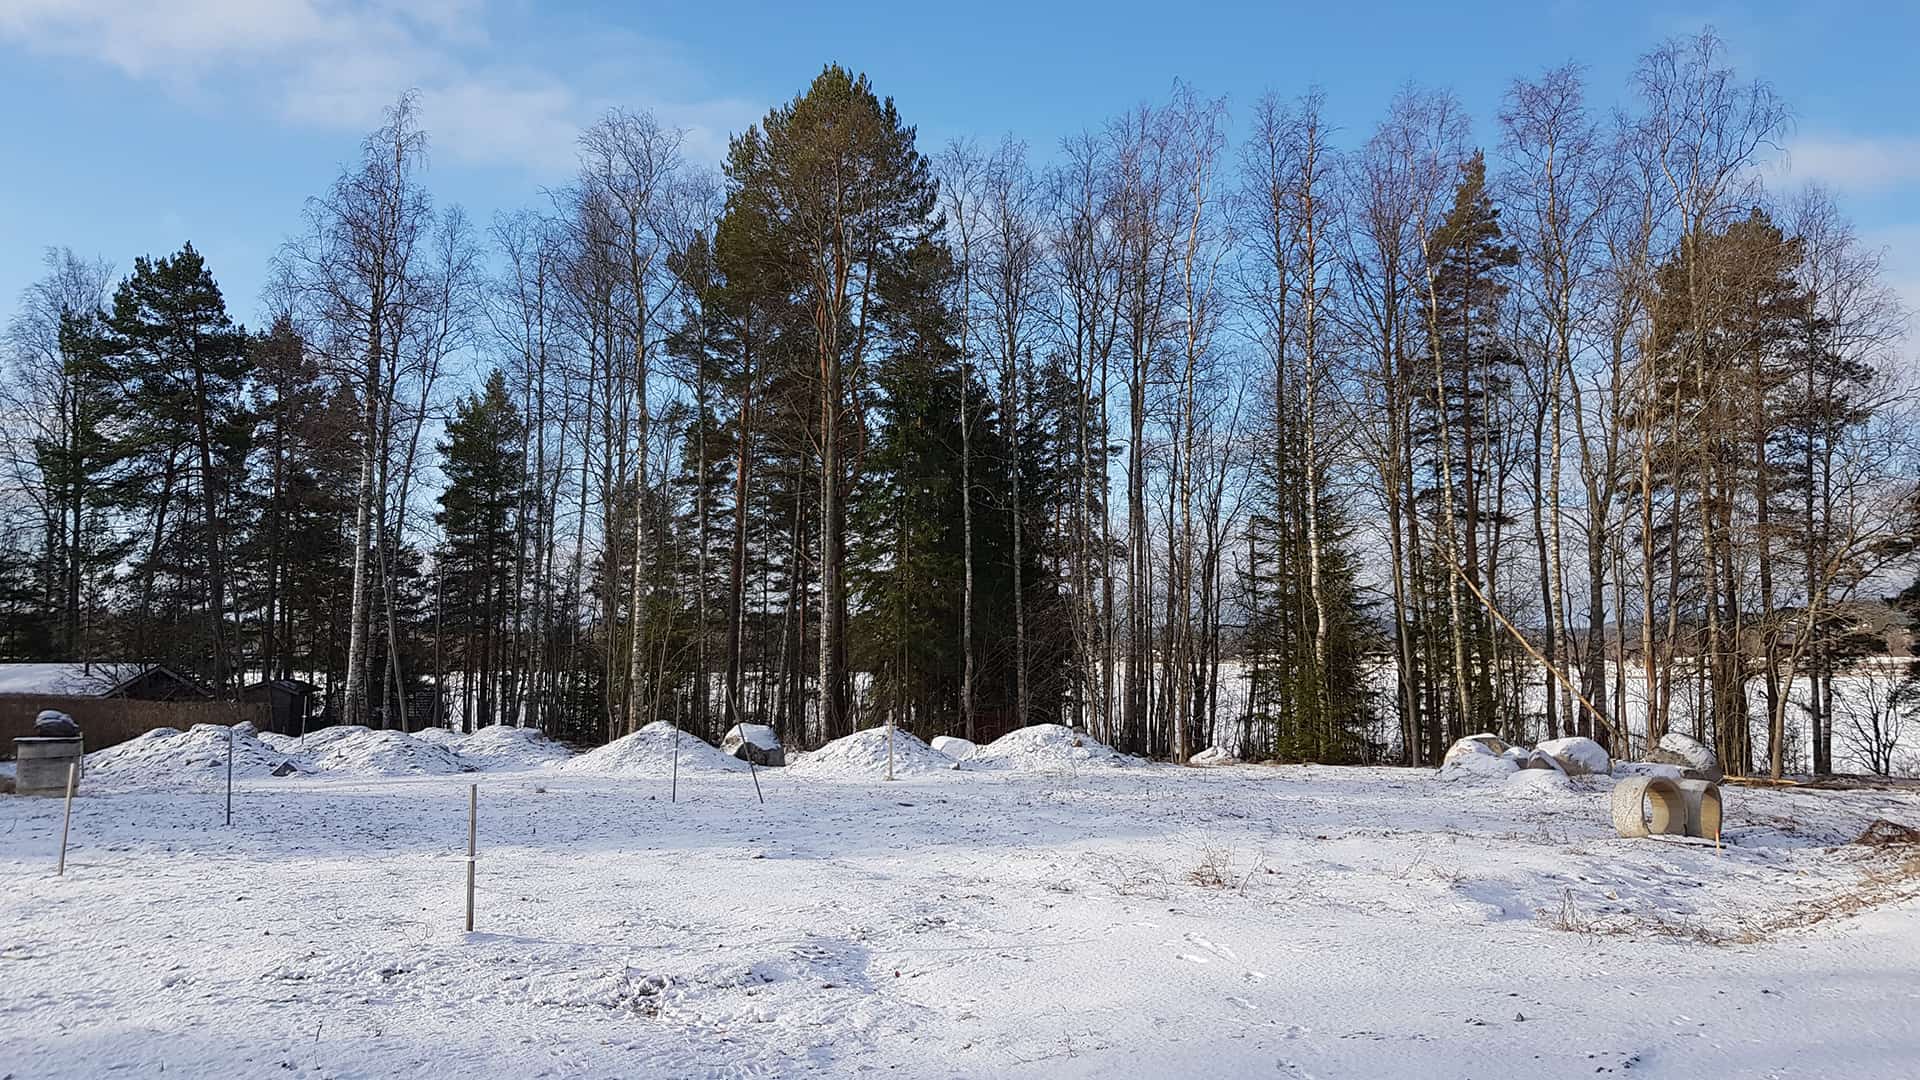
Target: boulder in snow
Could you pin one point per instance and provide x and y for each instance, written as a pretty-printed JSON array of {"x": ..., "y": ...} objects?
[
  {"x": 755, "y": 743},
  {"x": 1474, "y": 745},
  {"x": 1473, "y": 760},
  {"x": 954, "y": 747},
  {"x": 1539, "y": 760},
  {"x": 1695, "y": 758},
  {"x": 1623, "y": 770},
  {"x": 1578, "y": 756},
  {"x": 1213, "y": 755}
]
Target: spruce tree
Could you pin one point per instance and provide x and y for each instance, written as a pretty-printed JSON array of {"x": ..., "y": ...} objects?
[{"x": 485, "y": 474}]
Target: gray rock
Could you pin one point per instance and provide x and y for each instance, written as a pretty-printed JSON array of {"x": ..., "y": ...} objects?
[
  {"x": 757, "y": 743},
  {"x": 1696, "y": 760}
]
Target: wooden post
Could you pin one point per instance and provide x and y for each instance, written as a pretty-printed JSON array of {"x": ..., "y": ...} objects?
[
  {"x": 66, "y": 819},
  {"x": 755, "y": 773},
  {"x": 473, "y": 817},
  {"x": 673, "y": 788},
  {"x": 229, "y": 770}
]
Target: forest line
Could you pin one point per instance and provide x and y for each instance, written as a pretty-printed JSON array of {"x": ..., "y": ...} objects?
[{"x": 860, "y": 430}]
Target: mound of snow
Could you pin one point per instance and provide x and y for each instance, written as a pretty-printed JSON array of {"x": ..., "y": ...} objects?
[
  {"x": 1047, "y": 748},
  {"x": 1536, "y": 782},
  {"x": 285, "y": 744},
  {"x": 165, "y": 756},
  {"x": 1213, "y": 755},
  {"x": 650, "y": 752},
  {"x": 955, "y": 747},
  {"x": 1579, "y": 756},
  {"x": 498, "y": 746},
  {"x": 362, "y": 752},
  {"x": 443, "y": 736},
  {"x": 864, "y": 754},
  {"x": 319, "y": 739}
]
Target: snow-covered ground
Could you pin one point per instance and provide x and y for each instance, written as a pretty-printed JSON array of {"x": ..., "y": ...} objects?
[{"x": 1038, "y": 915}]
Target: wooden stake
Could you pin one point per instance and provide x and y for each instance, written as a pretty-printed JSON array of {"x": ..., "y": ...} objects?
[
  {"x": 473, "y": 818},
  {"x": 66, "y": 819}
]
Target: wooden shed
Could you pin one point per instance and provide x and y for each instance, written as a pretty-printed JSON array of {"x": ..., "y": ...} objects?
[{"x": 290, "y": 703}]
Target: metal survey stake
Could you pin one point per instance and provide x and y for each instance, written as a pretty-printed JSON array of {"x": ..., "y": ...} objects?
[{"x": 473, "y": 817}]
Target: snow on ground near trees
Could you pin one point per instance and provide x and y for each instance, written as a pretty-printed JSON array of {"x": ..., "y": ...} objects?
[
  {"x": 1048, "y": 748},
  {"x": 864, "y": 754},
  {"x": 1146, "y": 921},
  {"x": 651, "y": 752}
]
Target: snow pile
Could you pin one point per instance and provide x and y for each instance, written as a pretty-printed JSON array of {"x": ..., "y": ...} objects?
[
  {"x": 285, "y": 744},
  {"x": 1527, "y": 783},
  {"x": 1213, "y": 755},
  {"x": 439, "y": 735},
  {"x": 1578, "y": 756},
  {"x": 362, "y": 752},
  {"x": 864, "y": 754},
  {"x": 650, "y": 752},
  {"x": 498, "y": 746},
  {"x": 1048, "y": 748},
  {"x": 955, "y": 747},
  {"x": 167, "y": 756},
  {"x": 320, "y": 739}
]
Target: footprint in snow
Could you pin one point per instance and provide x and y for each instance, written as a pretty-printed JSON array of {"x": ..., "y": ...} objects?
[{"x": 1217, "y": 950}]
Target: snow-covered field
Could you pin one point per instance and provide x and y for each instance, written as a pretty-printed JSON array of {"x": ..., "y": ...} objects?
[{"x": 1040, "y": 913}]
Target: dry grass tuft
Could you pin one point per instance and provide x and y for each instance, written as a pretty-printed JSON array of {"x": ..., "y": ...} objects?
[{"x": 1883, "y": 833}]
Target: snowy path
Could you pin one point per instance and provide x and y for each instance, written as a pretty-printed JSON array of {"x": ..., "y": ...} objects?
[{"x": 1151, "y": 921}]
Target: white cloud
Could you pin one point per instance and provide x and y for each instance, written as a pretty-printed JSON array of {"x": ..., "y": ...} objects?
[
  {"x": 1854, "y": 163},
  {"x": 335, "y": 63}
]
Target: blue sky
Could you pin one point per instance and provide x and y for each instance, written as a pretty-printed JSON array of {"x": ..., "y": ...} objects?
[{"x": 133, "y": 125}]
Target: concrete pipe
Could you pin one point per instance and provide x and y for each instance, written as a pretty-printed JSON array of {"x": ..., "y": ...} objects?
[
  {"x": 1703, "y": 808},
  {"x": 1638, "y": 798}
]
